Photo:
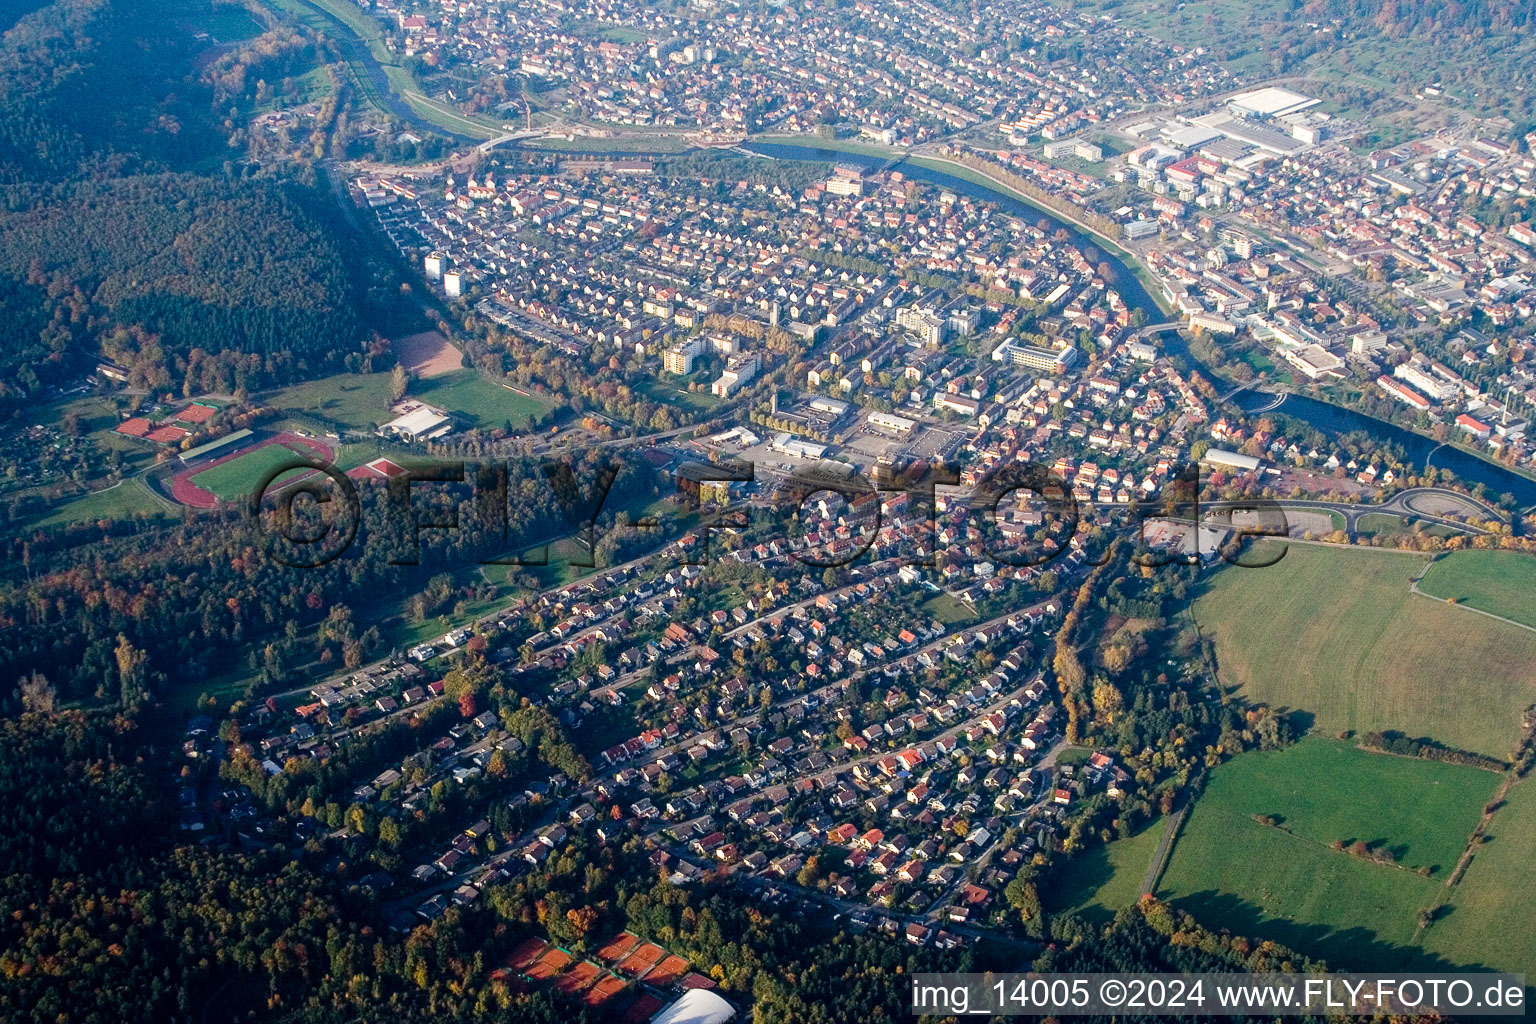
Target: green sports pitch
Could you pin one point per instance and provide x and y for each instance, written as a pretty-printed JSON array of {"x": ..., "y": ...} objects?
[{"x": 238, "y": 478}]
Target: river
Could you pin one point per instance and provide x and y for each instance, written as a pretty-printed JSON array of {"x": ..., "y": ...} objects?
[
  {"x": 1331, "y": 419},
  {"x": 1126, "y": 282},
  {"x": 1335, "y": 420},
  {"x": 1421, "y": 451},
  {"x": 355, "y": 49}
]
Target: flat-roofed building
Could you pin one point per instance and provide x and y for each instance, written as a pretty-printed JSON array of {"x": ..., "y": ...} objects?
[
  {"x": 1231, "y": 460},
  {"x": 1312, "y": 360},
  {"x": 1268, "y": 102},
  {"x": 419, "y": 423},
  {"x": 1033, "y": 357},
  {"x": 890, "y": 423}
]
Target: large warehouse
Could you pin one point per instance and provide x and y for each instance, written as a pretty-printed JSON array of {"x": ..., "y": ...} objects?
[{"x": 1269, "y": 102}]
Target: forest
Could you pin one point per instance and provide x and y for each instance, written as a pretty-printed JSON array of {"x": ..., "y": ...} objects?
[
  {"x": 126, "y": 99},
  {"x": 132, "y": 225},
  {"x": 148, "y": 269},
  {"x": 190, "y": 596}
]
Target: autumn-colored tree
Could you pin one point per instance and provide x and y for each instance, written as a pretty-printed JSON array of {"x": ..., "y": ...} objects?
[
  {"x": 581, "y": 920},
  {"x": 1107, "y": 700},
  {"x": 132, "y": 670}
]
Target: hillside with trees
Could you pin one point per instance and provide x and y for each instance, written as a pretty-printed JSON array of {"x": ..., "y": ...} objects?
[
  {"x": 150, "y": 268},
  {"x": 92, "y": 88},
  {"x": 1480, "y": 52},
  {"x": 191, "y": 594},
  {"x": 132, "y": 230}
]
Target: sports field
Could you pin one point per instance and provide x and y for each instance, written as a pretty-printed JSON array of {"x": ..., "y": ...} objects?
[
  {"x": 351, "y": 399},
  {"x": 1479, "y": 927},
  {"x": 1336, "y": 635},
  {"x": 476, "y": 397},
  {"x": 1500, "y": 582},
  {"x": 1286, "y": 883},
  {"x": 238, "y": 478},
  {"x": 1105, "y": 877}
]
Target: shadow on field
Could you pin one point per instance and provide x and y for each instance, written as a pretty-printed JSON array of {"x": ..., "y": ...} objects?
[
  {"x": 1090, "y": 871},
  {"x": 1349, "y": 948}
]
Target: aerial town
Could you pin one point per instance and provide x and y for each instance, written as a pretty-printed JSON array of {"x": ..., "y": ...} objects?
[{"x": 668, "y": 513}]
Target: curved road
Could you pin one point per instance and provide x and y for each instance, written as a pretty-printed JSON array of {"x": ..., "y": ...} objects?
[{"x": 1400, "y": 504}]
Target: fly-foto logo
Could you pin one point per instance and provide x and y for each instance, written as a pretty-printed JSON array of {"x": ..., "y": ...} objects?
[{"x": 1022, "y": 515}]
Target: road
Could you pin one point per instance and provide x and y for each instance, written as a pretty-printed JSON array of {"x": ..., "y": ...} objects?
[
  {"x": 339, "y": 679},
  {"x": 824, "y": 692},
  {"x": 933, "y": 914},
  {"x": 1164, "y": 848},
  {"x": 357, "y": 50},
  {"x": 1402, "y": 504}
]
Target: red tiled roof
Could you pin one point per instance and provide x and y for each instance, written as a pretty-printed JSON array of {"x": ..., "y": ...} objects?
[{"x": 378, "y": 469}]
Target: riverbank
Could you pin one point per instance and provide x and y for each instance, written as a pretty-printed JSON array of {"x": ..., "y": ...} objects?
[
  {"x": 385, "y": 83},
  {"x": 1136, "y": 286},
  {"x": 1148, "y": 281},
  {"x": 1334, "y": 419},
  {"x": 1466, "y": 462},
  {"x": 953, "y": 168}
]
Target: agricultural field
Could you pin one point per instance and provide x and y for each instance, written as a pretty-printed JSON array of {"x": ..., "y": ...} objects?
[
  {"x": 1335, "y": 636},
  {"x": 1284, "y": 882},
  {"x": 1300, "y": 788},
  {"x": 238, "y": 478},
  {"x": 1499, "y": 582},
  {"x": 1498, "y": 888},
  {"x": 1104, "y": 878}
]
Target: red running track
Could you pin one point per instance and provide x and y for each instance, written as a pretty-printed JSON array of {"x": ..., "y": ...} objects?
[{"x": 184, "y": 491}]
